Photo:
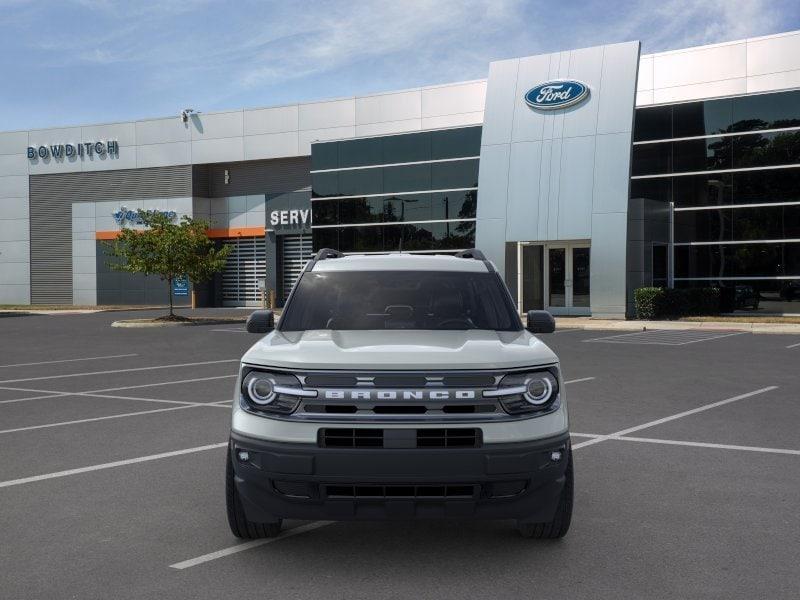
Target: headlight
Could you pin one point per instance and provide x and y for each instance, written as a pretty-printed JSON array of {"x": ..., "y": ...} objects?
[
  {"x": 532, "y": 391},
  {"x": 271, "y": 392},
  {"x": 539, "y": 389}
]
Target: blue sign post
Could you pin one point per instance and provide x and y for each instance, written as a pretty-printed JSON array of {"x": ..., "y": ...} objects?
[{"x": 180, "y": 286}]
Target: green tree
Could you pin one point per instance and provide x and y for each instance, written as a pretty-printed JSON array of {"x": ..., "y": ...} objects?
[{"x": 168, "y": 249}]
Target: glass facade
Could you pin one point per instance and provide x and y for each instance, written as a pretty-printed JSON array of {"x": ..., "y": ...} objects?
[
  {"x": 411, "y": 192},
  {"x": 731, "y": 168}
]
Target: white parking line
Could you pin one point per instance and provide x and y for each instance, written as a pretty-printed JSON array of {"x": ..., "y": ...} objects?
[
  {"x": 792, "y": 346},
  {"x": 686, "y": 413},
  {"x": 666, "y": 337},
  {"x": 580, "y": 380},
  {"x": 625, "y": 438},
  {"x": 66, "y": 360},
  {"x": 110, "y": 465},
  {"x": 93, "y": 419},
  {"x": 708, "y": 445},
  {"x": 192, "y": 562},
  {"x": 56, "y": 394},
  {"x": 131, "y": 370},
  {"x": 89, "y": 394}
]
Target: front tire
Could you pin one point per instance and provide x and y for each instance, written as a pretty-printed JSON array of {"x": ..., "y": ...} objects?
[
  {"x": 237, "y": 520},
  {"x": 558, "y": 527}
]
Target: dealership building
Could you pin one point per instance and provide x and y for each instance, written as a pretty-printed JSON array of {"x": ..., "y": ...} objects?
[{"x": 582, "y": 174}]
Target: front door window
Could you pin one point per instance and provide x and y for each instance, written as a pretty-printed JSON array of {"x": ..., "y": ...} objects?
[{"x": 557, "y": 273}]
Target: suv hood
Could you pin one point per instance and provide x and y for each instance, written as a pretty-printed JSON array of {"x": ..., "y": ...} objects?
[{"x": 399, "y": 350}]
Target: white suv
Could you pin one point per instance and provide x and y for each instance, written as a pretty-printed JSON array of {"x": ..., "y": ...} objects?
[{"x": 398, "y": 387}]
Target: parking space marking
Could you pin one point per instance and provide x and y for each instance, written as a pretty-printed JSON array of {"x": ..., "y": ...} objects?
[
  {"x": 90, "y": 394},
  {"x": 666, "y": 337},
  {"x": 55, "y": 394},
  {"x": 708, "y": 445},
  {"x": 192, "y": 562},
  {"x": 625, "y": 438},
  {"x": 792, "y": 346},
  {"x": 110, "y": 465},
  {"x": 93, "y": 419},
  {"x": 66, "y": 360},
  {"x": 680, "y": 415},
  {"x": 130, "y": 370},
  {"x": 579, "y": 380}
]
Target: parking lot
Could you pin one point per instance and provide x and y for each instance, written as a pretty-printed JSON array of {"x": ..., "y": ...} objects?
[{"x": 112, "y": 446}]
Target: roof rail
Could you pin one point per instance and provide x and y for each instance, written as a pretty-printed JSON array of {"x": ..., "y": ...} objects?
[
  {"x": 476, "y": 254},
  {"x": 323, "y": 254},
  {"x": 471, "y": 253}
]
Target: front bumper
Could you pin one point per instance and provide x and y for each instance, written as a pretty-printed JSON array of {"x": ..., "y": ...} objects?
[{"x": 496, "y": 481}]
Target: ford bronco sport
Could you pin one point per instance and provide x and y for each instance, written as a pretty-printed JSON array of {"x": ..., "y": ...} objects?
[{"x": 396, "y": 387}]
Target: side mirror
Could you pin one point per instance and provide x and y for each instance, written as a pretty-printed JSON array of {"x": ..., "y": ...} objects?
[
  {"x": 540, "y": 321},
  {"x": 261, "y": 321}
]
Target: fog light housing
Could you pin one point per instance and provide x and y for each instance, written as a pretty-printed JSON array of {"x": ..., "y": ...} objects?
[
  {"x": 555, "y": 456},
  {"x": 243, "y": 456}
]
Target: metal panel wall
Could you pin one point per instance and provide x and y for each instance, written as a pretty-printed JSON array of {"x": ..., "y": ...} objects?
[
  {"x": 51, "y": 198},
  {"x": 561, "y": 174},
  {"x": 258, "y": 177}
]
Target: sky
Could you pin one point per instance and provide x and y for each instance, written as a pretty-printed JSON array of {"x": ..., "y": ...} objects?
[{"x": 72, "y": 62}]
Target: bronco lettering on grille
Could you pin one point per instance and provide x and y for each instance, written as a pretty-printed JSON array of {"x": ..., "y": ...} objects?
[{"x": 399, "y": 394}]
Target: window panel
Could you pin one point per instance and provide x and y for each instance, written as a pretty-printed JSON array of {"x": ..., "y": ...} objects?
[
  {"x": 766, "y": 111},
  {"x": 774, "y": 185},
  {"x": 652, "y": 159},
  {"x": 325, "y": 238},
  {"x": 415, "y": 147},
  {"x": 733, "y": 224},
  {"x": 702, "y": 155},
  {"x": 701, "y": 118},
  {"x": 653, "y": 189},
  {"x": 653, "y": 123},
  {"x": 761, "y": 150},
  {"x": 325, "y": 156},
  {"x": 458, "y": 174},
  {"x": 407, "y": 178},
  {"x": 325, "y": 212},
  {"x": 360, "y": 181},
  {"x": 454, "y": 205},
  {"x": 738, "y": 260},
  {"x": 357, "y": 153},
  {"x": 324, "y": 184},
  {"x": 408, "y": 207},
  {"x": 702, "y": 190},
  {"x": 455, "y": 143}
]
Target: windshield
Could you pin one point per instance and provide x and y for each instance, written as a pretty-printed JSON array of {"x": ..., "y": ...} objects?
[{"x": 359, "y": 300}]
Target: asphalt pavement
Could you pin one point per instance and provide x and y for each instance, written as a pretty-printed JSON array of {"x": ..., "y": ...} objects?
[{"x": 112, "y": 450}]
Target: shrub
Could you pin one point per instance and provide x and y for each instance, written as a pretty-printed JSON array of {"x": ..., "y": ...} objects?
[
  {"x": 648, "y": 301},
  {"x": 664, "y": 303}
]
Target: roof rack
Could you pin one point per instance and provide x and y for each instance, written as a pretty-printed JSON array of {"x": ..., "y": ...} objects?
[
  {"x": 476, "y": 254},
  {"x": 471, "y": 253},
  {"x": 323, "y": 254}
]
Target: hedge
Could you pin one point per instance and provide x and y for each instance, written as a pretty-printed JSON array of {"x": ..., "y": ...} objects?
[{"x": 664, "y": 303}]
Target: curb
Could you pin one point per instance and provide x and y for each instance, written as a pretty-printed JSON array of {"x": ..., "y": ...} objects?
[
  {"x": 156, "y": 324},
  {"x": 776, "y": 328}
]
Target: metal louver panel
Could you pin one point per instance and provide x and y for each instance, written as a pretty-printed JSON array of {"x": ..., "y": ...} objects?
[
  {"x": 51, "y": 198},
  {"x": 246, "y": 264},
  {"x": 296, "y": 252},
  {"x": 260, "y": 177}
]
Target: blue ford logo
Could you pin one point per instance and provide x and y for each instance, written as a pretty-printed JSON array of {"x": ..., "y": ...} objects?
[{"x": 556, "y": 94}]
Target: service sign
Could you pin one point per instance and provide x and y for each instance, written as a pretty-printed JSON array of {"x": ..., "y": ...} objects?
[{"x": 556, "y": 94}]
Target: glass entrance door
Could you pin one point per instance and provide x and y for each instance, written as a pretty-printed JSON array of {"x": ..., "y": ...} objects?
[
  {"x": 555, "y": 276},
  {"x": 568, "y": 273}
]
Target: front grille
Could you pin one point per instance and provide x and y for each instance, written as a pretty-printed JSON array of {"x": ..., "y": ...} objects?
[
  {"x": 400, "y": 438},
  {"x": 448, "y": 438},
  {"x": 351, "y": 438},
  {"x": 412, "y": 491}
]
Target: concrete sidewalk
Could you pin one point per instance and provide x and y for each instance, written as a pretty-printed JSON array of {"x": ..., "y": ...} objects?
[{"x": 754, "y": 326}]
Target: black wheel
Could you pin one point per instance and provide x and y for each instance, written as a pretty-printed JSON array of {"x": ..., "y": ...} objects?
[
  {"x": 558, "y": 527},
  {"x": 240, "y": 526}
]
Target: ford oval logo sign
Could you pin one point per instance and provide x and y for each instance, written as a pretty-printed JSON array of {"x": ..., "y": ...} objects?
[{"x": 556, "y": 94}]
